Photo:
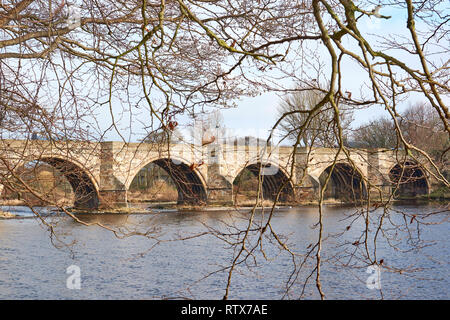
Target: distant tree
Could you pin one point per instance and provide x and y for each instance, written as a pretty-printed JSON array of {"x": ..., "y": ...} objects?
[
  {"x": 321, "y": 130},
  {"x": 422, "y": 126},
  {"x": 163, "y": 136},
  {"x": 378, "y": 133},
  {"x": 419, "y": 124}
]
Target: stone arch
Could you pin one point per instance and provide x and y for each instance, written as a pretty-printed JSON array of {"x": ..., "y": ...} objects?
[
  {"x": 346, "y": 183},
  {"x": 410, "y": 177},
  {"x": 273, "y": 178},
  {"x": 190, "y": 183},
  {"x": 82, "y": 182}
]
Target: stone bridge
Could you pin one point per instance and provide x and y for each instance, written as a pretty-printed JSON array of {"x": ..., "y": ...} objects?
[{"x": 101, "y": 173}]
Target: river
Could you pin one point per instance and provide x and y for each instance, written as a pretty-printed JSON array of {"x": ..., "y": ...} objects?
[{"x": 33, "y": 265}]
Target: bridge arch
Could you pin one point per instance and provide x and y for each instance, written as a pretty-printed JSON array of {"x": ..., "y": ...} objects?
[
  {"x": 346, "y": 183},
  {"x": 273, "y": 178},
  {"x": 190, "y": 184},
  {"x": 410, "y": 177},
  {"x": 81, "y": 180}
]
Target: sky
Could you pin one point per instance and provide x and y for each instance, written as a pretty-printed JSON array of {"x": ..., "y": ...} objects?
[
  {"x": 255, "y": 116},
  {"x": 261, "y": 112}
]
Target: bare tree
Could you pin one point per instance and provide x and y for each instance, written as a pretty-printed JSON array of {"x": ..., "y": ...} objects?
[
  {"x": 320, "y": 130},
  {"x": 379, "y": 133},
  {"x": 116, "y": 66},
  {"x": 423, "y": 128}
]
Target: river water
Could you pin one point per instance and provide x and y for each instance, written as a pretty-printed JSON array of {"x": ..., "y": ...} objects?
[{"x": 33, "y": 263}]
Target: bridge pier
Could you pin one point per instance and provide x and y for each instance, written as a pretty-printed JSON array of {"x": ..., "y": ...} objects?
[
  {"x": 112, "y": 199},
  {"x": 220, "y": 191},
  {"x": 220, "y": 195},
  {"x": 112, "y": 191}
]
